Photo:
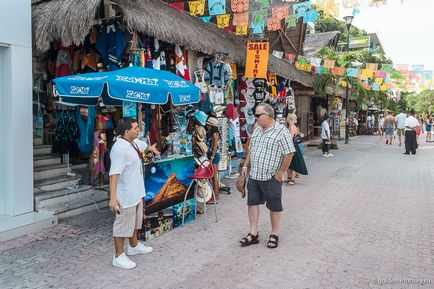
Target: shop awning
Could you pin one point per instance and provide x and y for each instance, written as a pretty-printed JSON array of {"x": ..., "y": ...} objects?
[{"x": 136, "y": 84}]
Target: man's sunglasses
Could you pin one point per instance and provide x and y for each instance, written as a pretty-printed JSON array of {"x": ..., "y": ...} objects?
[{"x": 259, "y": 114}]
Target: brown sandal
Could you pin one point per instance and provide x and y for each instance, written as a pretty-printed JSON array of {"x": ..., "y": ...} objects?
[
  {"x": 249, "y": 240},
  {"x": 273, "y": 241}
]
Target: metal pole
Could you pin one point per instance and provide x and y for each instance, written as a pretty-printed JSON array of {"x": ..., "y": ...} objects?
[{"x": 346, "y": 92}]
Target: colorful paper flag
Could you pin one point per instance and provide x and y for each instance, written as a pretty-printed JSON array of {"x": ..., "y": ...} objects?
[
  {"x": 303, "y": 66},
  {"x": 387, "y": 67},
  {"x": 301, "y": 8},
  {"x": 417, "y": 68},
  {"x": 375, "y": 86},
  {"x": 205, "y": 19},
  {"x": 291, "y": 21},
  {"x": 372, "y": 66},
  {"x": 311, "y": 16},
  {"x": 240, "y": 5},
  {"x": 378, "y": 80},
  {"x": 368, "y": 73},
  {"x": 350, "y": 3},
  {"x": 290, "y": 57},
  {"x": 177, "y": 5},
  {"x": 241, "y": 30},
  {"x": 240, "y": 19},
  {"x": 338, "y": 71},
  {"x": 427, "y": 74},
  {"x": 329, "y": 63},
  {"x": 196, "y": 7},
  {"x": 217, "y": 7},
  {"x": 273, "y": 24},
  {"x": 278, "y": 54},
  {"x": 342, "y": 62},
  {"x": 280, "y": 12},
  {"x": 302, "y": 59},
  {"x": 380, "y": 74},
  {"x": 315, "y": 61},
  {"x": 223, "y": 20},
  {"x": 352, "y": 72}
]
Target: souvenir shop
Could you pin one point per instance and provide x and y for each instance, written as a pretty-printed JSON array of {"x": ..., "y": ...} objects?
[{"x": 79, "y": 116}]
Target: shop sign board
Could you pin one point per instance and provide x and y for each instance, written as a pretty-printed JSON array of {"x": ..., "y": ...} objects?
[
  {"x": 257, "y": 59},
  {"x": 360, "y": 42}
]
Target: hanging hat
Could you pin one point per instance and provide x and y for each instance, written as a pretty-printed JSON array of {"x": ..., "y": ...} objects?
[
  {"x": 203, "y": 191},
  {"x": 241, "y": 185},
  {"x": 200, "y": 116},
  {"x": 201, "y": 147},
  {"x": 212, "y": 121},
  {"x": 200, "y": 133},
  {"x": 189, "y": 110}
]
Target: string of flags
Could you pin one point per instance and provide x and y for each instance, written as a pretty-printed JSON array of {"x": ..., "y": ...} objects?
[
  {"x": 374, "y": 76},
  {"x": 254, "y": 15}
]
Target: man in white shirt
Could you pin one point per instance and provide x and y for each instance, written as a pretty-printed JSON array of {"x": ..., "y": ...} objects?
[
  {"x": 127, "y": 190},
  {"x": 325, "y": 136},
  {"x": 381, "y": 125},
  {"x": 369, "y": 121},
  {"x": 400, "y": 124},
  {"x": 411, "y": 124}
]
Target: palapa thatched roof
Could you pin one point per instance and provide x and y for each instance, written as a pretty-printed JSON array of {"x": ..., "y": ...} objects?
[
  {"x": 71, "y": 20},
  {"x": 315, "y": 41},
  {"x": 67, "y": 20}
]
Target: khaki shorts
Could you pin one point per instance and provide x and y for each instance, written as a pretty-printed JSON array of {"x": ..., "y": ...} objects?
[
  {"x": 129, "y": 219},
  {"x": 400, "y": 131}
]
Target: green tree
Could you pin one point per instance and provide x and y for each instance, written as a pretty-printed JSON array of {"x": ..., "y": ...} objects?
[{"x": 421, "y": 103}]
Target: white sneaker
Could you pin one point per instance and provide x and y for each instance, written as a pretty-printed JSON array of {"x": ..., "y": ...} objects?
[
  {"x": 331, "y": 155},
  {"x": 123, "y": 262},
  {"x": 139, "y": 249},
  {"x": 325, "y": 155}
]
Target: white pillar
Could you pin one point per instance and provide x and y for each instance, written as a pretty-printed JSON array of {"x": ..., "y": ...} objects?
[{"x": 16, "y": 125}]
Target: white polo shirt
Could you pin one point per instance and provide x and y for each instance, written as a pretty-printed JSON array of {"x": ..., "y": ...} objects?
[
  {"x": 411, "y": 122},
  {"x": 126, "y": 162}
]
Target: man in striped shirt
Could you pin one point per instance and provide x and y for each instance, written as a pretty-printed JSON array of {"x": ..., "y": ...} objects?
[{"x": 270, "y": 153}]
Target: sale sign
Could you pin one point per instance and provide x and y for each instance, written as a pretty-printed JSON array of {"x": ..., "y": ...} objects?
[{"x": 257, "y": 60}]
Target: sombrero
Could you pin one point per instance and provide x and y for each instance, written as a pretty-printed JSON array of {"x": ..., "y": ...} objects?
[{"x": 203, "y": 191}]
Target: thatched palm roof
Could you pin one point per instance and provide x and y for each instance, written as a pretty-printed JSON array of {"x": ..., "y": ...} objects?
[
  {"x": 70, "y": 21},
  {"x": 315, "y": 41}
]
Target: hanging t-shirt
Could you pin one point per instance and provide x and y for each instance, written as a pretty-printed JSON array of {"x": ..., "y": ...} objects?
[
  {"x": 216, "y": 73},
  {"x": 110, "y": 44}
]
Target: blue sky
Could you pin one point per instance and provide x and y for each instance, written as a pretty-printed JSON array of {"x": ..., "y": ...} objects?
[{"x": 406, "y": 30}]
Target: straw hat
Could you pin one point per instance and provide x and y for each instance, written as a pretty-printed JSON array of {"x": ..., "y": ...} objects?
[
  {"x": 200, "y": 133},
  {"x": 212, "y": 121},
  {"x": 203, "y": 191}
]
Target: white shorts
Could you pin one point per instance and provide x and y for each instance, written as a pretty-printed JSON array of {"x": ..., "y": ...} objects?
[{"x": 129, "y": 219}]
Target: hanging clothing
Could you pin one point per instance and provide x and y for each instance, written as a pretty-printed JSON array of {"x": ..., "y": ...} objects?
[
  {"x": 66, "y": 133},
  {"x": 86, "y": 125},
  {"x": 180, "y": 63},
  {"x": 216, "y": 73},
  {"x": 110, "y": 44},
  {"x": 64, "y": 65},
  {"x": 96, "y": 159}
]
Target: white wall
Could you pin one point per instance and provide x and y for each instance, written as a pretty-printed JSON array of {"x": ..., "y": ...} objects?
[{"x": 16, "y": 128}]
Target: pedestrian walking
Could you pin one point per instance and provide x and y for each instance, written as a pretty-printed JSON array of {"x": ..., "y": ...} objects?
[
  {"x": 325, "y": 136},
  {"x": 270, "y": 153},
  {"x": 298, "y": 164},
  {"x": 127, "y": 190},
  {"x": 411, "y": 124},
  {"x": 400, "y": 125},
  {"x": 381, "y": 125},
  {"x": 389, "y": 123},
  {"x": 419, "y": 129},
  {"x": 428, "y": 128}
]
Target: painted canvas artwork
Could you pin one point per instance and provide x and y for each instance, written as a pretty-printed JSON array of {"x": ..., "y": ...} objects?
[
  {"x": 166, "y": 183},
  {"x": 189, "y": 213}
]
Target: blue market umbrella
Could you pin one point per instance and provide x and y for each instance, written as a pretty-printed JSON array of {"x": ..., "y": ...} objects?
[{"x": 135, "y": 84}]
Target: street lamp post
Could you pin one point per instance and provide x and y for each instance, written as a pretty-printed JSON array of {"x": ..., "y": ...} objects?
[{"x": 348, "y": 20}]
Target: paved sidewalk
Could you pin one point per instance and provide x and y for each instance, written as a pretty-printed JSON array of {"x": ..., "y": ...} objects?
[{"x": 362, "y": 219}]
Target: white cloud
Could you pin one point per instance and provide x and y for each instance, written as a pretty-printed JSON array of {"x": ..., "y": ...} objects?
[{"x": 406, "y": 30}]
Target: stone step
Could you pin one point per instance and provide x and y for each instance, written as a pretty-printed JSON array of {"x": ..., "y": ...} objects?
[
  {"x": 75, "y": 208},
  {"x": 43, "y": 160},
  {"x": 61, "y": 197},
  {"x": 54, "y": 184},
  {"x": 49, "y": 171},
  {"x": 41, "y": 150}
]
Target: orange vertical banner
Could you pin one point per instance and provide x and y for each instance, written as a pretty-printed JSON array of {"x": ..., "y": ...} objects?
[{"x": 257, "y": 60}]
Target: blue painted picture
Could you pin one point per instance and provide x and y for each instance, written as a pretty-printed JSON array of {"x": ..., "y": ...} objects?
[{"x": 166, "y": 183}]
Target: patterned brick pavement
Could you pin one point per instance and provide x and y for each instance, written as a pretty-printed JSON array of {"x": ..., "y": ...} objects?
[{"x": 362, "y": 219}]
